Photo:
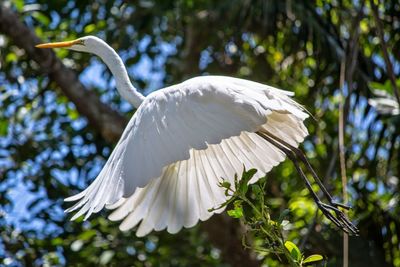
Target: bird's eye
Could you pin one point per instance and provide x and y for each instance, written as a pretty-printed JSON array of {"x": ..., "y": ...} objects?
[{"x": 80, "y": 42}]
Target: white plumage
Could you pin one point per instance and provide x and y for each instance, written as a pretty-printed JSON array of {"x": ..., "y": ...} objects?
[{"x": 182, "y": 140}]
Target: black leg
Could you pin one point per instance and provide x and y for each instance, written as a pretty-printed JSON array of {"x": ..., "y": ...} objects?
[
  {"x": 341, "y": 220},
  {"x": 304, "y": 159},
  {"x": 293, "y": 158}
]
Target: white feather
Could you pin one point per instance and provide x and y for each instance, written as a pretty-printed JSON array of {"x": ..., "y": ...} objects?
[{"x": 181, "y": 142}]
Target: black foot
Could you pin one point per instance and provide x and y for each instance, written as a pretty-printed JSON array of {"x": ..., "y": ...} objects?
[{"x": 340, "y": 220}]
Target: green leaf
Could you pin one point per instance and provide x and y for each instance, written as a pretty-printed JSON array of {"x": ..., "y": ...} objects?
[
  {"x": 43, "y": 19},
  {"x": 3, "y": 128},
  {"x": 313, "y": 258},
  {"x": 237, "y": 212},
  {"x": 57, "y": 241},
  {"x": 72, "y": 113},
  {"x": 294, "y": 250},
  {"x": 89, "y": 28},
  {"x": 19, "y": 4},
  {"x": 11, "y": 57},
  {"x": 386, "y": 86},
  {"x": 257, "y": 189},
  {"x": 87, "y": 235},
  {"x": 225, "y": 184},
  {"x": 246, "y": 177}
]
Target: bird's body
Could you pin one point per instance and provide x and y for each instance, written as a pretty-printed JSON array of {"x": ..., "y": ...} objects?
[{"x": 182, "y": 140}]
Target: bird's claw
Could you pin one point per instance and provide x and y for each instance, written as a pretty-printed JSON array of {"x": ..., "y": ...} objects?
[
  {"x": 340, "y": 220},
  {"x": 332, "y": 210}
]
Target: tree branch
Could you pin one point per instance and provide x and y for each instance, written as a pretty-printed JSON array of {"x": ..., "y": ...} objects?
[
  {"x": 99, "y": 115},
  {"x": 223, "y": 232},
  {"x": 389, "y": 67}
]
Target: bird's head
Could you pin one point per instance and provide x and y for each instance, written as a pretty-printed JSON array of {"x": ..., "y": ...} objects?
[{"x": 89, "y": 44}]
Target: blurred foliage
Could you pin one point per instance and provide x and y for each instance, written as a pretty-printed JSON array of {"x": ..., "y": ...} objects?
[{"x": 48, "y": 152}]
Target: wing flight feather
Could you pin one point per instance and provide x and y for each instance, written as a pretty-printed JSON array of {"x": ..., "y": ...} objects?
[{"x": 179, "y": 144}]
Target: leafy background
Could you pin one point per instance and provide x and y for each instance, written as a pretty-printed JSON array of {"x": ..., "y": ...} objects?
[{"x": 49, "y": 150}]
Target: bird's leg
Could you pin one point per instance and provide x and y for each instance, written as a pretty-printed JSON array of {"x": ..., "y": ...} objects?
[
  {"x": 299, "y": 153},
  {"x": 293, "y": 158},
  {"x": 334, "y": 205},
  {"x": 291, "y": 155},
  {"x": 341, "y": 220}
]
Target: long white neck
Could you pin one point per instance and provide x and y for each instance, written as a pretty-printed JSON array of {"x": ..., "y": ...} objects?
[{"x": 122, "y": 81}]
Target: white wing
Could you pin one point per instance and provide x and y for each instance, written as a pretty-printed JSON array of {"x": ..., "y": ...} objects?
[{"x": 181, "y": 141}]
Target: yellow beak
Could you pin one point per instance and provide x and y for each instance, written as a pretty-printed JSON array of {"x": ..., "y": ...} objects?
[{"x": 58, "y": 44}]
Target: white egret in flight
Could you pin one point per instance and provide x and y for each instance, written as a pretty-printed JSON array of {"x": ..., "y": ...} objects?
[{"x": 183, "y": 139}]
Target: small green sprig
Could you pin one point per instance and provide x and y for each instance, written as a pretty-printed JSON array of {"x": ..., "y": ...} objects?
[{"x": 246, "y": 202}]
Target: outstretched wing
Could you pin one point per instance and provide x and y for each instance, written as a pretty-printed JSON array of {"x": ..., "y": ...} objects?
[{"x": 181, "y": 141}]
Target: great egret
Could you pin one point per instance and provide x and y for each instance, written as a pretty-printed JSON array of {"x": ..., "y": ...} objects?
[{"x": 183, "y": 139}]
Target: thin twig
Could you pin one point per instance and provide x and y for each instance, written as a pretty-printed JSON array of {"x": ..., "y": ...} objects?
[
  {"x": 352, "y": 50},
  {"x": 352, "y": 59},
  {"x": 389, "y": 66},
  {"x": 342, "y": 158}
]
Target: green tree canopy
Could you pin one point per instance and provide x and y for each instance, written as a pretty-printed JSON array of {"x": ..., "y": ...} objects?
[{"x": 60, "y": 117}]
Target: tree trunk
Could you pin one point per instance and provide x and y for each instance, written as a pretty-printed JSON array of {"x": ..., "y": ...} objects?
[{"x": 101, "y": 117}]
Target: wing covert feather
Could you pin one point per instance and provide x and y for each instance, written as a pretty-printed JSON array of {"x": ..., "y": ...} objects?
[{"x": 198, "y": 132}]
